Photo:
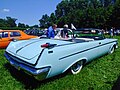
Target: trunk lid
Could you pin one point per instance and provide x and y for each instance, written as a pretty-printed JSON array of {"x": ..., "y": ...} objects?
[{"x": 29, "y": 49}]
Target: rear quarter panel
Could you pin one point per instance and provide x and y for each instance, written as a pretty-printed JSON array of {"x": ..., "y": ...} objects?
[{"x": 64, "y": 56}]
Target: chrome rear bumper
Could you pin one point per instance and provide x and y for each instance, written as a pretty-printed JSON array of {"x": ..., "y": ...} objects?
[{"x": 38, "y": 73}]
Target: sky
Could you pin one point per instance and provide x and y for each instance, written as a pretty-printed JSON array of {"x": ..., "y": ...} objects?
[{"x": 27, "y": 11}]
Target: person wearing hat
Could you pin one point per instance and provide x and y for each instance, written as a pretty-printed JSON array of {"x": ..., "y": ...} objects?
[{"x": 64, "y": 32}]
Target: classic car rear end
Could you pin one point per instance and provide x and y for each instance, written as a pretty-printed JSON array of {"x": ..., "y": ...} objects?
[{"x": 44, "y": 58}]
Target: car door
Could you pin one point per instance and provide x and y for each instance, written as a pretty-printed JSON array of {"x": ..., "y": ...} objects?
[
  {"x": 4, "y": 39},
  {"x": 103, "y": 46}
]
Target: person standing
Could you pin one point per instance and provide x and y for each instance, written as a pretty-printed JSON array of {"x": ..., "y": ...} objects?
[
  {"x": 64, "y": 32},
  {"x": 51, "y": 31},
  {"x": 111, "y": 32}
]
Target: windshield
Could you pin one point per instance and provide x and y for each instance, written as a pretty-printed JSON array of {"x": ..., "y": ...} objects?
[{"x": 95, "y": 34}]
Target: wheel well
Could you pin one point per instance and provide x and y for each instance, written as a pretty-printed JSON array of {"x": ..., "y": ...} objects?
[
  {"x": 84, "y": 62},
  {"x": 114, "y": 45}
]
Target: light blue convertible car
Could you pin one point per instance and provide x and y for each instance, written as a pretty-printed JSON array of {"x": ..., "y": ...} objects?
[{"x": 44, "y": 58}]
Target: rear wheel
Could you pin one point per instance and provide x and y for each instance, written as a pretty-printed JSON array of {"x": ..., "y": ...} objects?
[{"x": 76, "y": 68}]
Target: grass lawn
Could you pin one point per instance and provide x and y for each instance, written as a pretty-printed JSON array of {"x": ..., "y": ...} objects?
[{"x": 100, "y": 74}]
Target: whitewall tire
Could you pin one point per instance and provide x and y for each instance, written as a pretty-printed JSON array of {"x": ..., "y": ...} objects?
[{"x": 76, "y": 68}]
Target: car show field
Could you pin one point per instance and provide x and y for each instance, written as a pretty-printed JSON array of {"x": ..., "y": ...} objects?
[
  {"x": 45, "y": 58},
  {"x": 101, "y": 73},
  {"x": 60, "y": 45}
]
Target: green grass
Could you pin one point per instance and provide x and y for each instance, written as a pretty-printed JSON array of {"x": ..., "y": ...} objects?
[{"x": 100, "y": 74}]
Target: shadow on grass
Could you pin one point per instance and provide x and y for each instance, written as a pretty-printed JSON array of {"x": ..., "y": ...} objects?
[
  {"x": 116, "y": 85},
  {"x": 28, "y": 81}
]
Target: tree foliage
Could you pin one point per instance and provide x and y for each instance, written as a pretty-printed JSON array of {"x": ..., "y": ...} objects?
[
  {"x": 10, "y": 23},
  {"x": 115, "y": 16},
  {"x": 22, "y": 25},
  {"x": 85, "y": 13}
]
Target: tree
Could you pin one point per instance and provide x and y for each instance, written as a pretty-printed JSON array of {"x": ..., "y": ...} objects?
[
  {"x": 27, "y": 26},
  {"x": 21, "y": 25},
  {"x": 11, "y": 21},
  {"x": 3, "y": 23},
  {"x": 52, "y": 18},
  {"x": 115, "y": 16},
  {"x": 44, "y": 21},
  {"x": 84, "y": 13},
  {"x": 35, "y": 26},
  {"x": 8, "y": 22}
]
